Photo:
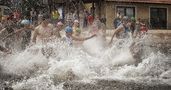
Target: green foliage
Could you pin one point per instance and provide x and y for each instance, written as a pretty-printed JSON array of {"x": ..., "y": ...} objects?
[{"x": 30, "y": 3}]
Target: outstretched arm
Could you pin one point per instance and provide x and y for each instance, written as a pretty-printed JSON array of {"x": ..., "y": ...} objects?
[
  {"x": 35, "y": 33},
  {"x": 2, "y": 30},
  {"x": 9, "y": 35},
  {"x": 83, "y": 39}
]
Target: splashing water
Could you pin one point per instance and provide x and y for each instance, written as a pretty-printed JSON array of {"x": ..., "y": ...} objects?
[{"x": 92, "y": 61}]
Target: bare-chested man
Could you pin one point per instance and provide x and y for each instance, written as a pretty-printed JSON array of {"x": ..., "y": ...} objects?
[
  {"x": 43, "y": 35},
  {"x": 43, "y": 32}
]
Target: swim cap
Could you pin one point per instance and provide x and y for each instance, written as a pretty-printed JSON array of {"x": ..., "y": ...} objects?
[
  {"x": 76, "y": 21},
  {"x": 68, "y": 29},
  {"x": 125, "y": 18},
  {"x": 59, "y": 23},
  {"x": 25, "y": 22}
]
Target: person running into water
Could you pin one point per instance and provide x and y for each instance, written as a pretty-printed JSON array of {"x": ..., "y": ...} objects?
[
  {"x": 25, "y": 33},
  {"x": 57, "y": 29},
  {"x": 76, "y": 29},
  {"x": 43, "y": 35},
  {"x": 122, "y": 30},
  {"x": 43, "y": 32},
  {"x": 70, "y": 37}
]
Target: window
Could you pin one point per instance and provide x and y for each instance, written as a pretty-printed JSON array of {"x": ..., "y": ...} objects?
[
  {"x": 1, "y": 2},
  {"x": 126, "y": 11},
  {"x": 158, "y": 18}
]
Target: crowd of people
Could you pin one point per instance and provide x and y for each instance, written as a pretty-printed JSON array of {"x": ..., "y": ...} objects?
[
  {"x": 41, "y": 28},
  {"x": 137, "y": 28},
  {"x": 37, "y": 28}
]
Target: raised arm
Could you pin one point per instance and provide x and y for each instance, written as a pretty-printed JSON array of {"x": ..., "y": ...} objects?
[
  {"x": 35, "y": 33},
  {"x": 2, "y": 30},
  {"x": 9, "y": 35},
  {"x": 116, "y": 31}
]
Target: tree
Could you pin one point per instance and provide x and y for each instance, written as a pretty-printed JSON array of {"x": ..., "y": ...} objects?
[{"x": 27, "y": 4}]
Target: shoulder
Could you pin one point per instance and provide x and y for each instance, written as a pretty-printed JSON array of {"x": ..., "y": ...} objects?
[
  {"x": 51, "y": 25},
  {"x": 37, "y": 27}
]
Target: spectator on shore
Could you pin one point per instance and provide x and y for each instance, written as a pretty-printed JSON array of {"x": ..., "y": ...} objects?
[
  {"x": 16, "y": 15},
  {"x": 90, "y": 19},
  {"x": 137, "y": 28},
  {"x": 117, "y": 21},
  {"x": 33, "y": 15},
  {"x": 55, "y": 16},
  {"x": 85, "y": 23},
  {"x": 103, "y": 19},
  {"x": 143, "y": 28},
  {"x": 132, "y": 26}
]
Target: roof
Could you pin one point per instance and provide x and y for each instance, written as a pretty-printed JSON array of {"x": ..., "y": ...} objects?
[
  {"x": 85, "y": 1},
  {"x": 144, "y": 1}
]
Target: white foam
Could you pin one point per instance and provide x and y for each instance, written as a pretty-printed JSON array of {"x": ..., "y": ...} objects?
[{"x": 78, "y": 64}]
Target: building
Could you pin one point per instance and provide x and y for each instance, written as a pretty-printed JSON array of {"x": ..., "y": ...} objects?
[{"x": 156, "y": 12}]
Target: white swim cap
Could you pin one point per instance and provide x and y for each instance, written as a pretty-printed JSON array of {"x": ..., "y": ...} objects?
[
  {"x": 59, "y": 23},
  {"x": 25, "y": 22},
  {"x": 76, "y": 21}
]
